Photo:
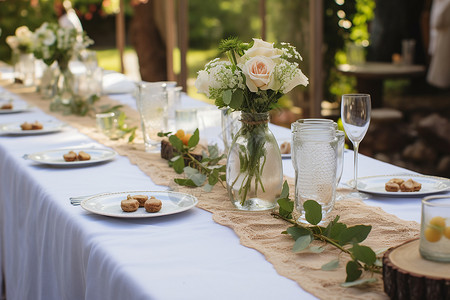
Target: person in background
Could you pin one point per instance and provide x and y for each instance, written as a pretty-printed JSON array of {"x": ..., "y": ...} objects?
[{"x": 439, "y": 48}]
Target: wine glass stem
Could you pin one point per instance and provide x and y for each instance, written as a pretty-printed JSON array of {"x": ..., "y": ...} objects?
[{"x": 355, "y": 160}]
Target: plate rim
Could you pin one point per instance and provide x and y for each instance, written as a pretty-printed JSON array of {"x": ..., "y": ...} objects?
[
  {"x": 83, "y": 204},
  {"x": 403, "y": 194},
  {"x": 59, "y": 126},
  {"x": 71, "y": 163}
]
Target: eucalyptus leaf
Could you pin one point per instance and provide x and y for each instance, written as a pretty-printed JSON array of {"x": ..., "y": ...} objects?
[
  {"x": 193, "y": 140},
  {"x": 353, "y": 271},
  {"x": 297, "y": 232},
  {"x": 213, "y": 177},
  {"x": 364, "y": 254},
  {"x": 358, "y": 282},
  {"x": 189, "y": 171},
  {"x": 285, "y": 190},
  {"x": 176, "y": 143},
  {"x": 332, "y": 265},
  {"x": 237, "y": 99},
  {"x": 198, "y": 179},
  {"x": 336, "y": 230},
  {"x": 226, "y": 96},
  {"x": 330, "y": 225},
  {"x": 313, "y": 212},
  {"x": 208, "y": 188},
  {"x": 286, "y": 206},
  {"x": 354, "y": 234},
  {"x": 178, "y": 165},
  {"x": 213, "y": 151},
  {"x": 301, "y": 243},
  {"x": 316, "y": 249},
  {"x": 184, "y": 182}
]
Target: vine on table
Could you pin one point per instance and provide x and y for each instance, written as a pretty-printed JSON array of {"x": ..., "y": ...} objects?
[
  {"x": 205, "y": 172},
  {"x": 346, "y": 238}
]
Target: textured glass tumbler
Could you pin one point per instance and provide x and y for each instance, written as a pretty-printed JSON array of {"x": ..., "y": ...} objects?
[
  {"x": 435, "y": 228},
  {"x": 152, "y": 103},
  {"x": 315, "y": 162}
]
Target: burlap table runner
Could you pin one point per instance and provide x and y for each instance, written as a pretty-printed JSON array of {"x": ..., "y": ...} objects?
[{"x": 258, "y": 230}]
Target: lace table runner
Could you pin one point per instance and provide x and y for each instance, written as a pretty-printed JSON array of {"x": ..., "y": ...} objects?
[{"x": 258, "y": 230}]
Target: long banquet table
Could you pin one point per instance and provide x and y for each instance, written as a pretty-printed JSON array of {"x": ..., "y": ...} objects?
[{"x": 50, "y": 249}]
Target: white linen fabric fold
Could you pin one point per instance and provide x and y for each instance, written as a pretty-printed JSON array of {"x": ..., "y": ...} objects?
[{"x": 117, "y": 83}]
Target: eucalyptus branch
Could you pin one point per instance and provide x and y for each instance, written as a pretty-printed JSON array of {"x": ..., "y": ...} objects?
[{"x": 337, "y": 234}]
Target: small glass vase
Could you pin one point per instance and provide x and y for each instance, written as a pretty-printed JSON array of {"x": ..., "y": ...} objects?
[
  {"x": 49, "y": 80},
  {"x": 254, "y": 168},
  {"x": 64, "y": 95},
  {"x": 24, "y": 69}
]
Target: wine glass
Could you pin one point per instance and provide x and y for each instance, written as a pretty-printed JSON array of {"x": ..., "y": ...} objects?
[{"x": 355, "y": 115}]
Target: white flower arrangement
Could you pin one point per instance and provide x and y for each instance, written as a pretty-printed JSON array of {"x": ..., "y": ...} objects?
[
  {"x": 22, "y": 41},
  {"x": 58, "y": 43},
  {"x": 254, "y": 78}
]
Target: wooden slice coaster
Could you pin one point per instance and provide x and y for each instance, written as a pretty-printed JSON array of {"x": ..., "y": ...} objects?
[{"x": 406, "y": 275}]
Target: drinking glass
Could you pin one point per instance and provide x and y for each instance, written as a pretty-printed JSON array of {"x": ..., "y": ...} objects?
[
  {"x": 355, "y": 115},
  {"x": 108, "y": 124},
  {"x": 152, "y": 102},
  {"x": 315, "y": 160},
  {"x": 435, "y": 228}
]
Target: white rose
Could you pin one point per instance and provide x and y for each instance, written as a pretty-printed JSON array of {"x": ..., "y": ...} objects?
[
  {"x": 48, "y": 38},
  {"x": 12, "y": 41},
  {"x": 22, "y": 31},
  {"x": 262, "y": 48},
  {"x": 299, "y": 78},
  {"x": 258, "y": 73},
  {"x": 202, "y": 82}
]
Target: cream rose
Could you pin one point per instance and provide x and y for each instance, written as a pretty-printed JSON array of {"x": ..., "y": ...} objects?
[
  {"x": 299, "y": 78},
  {"x": 258, "y": 73},
  {"x": 262, "y": 48},
  {"x": 12, "y": 41},
  {"x": 202, "y": 82}
]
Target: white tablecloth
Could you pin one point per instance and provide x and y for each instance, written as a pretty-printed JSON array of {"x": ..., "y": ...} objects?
[{"x": 53, "y": 250}]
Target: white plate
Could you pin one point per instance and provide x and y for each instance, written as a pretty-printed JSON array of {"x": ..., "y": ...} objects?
[
  {"x": 15, "y": 129},
  {"x": 17, "y": 107},
  {"x": 108, "y": 204},
  {"x": 375, "y": 184},
  {"x": 55, "y": 157}
]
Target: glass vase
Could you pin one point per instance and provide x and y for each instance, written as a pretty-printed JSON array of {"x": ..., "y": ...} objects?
[
  {"x": 49, "y": 80},
  {"x": 63, "y": 99},
  {"x": 25, "y": 68},
  {"x": 254, "y": 168}
]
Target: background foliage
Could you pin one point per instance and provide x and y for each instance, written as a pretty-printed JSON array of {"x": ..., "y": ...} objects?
[{"x": 211, "y": 21}]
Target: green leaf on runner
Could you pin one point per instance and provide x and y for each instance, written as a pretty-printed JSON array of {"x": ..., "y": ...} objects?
[
  {"x": 354, "y": 234},
  {"x": 353, "y": 271},
  {"x": 313, "y": 212},
  {"x": 178, "y": 165},
  {"x": 332, "y": 265},
  {"x": 302, "y": 243},
  {"x": 358, "y": 282},
  {"x": 364, "y": 254}
]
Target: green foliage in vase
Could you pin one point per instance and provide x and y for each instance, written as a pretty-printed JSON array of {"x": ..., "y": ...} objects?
[
  {"x": 199, "y": 173},
  {"x": 345, "y": 238}
]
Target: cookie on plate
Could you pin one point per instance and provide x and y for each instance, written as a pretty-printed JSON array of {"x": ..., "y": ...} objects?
[
  {"x": 129, "y": 205},
  {"x": 153, "y": 205}
]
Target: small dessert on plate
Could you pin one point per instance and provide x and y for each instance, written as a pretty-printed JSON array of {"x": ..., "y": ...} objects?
[
  {"x": 153, "y": 205},
  {"x": 129, "y": 205},
  {"x": 83, "y": 156},
  {"x": 73, "y": 156},
  {"x": 140, "y": 198},
  {"x": 7, "y": 106},
  {"x": 397, "y": 184},
  {"x": 32, "y": 126}
]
